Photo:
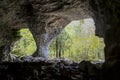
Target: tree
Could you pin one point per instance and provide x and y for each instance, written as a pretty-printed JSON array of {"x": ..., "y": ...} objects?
[
  {"x": 26, "y": 45},
  {"x": 78, "y": 43}
]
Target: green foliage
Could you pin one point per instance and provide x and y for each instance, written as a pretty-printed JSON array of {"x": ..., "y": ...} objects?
[
  {"x": 78, "y": 44},
  {"x": 75, "y": 42},
  {"x": 26, "y": 45}
]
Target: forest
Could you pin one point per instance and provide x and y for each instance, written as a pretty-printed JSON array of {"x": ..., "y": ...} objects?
[{"x": 76, "y": 42}]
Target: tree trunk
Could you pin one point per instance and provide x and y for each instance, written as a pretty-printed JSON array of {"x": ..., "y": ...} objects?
[{"x": 57, "y": 48}]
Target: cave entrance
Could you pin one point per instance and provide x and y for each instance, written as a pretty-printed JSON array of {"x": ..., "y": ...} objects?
[
  {"x": 26, "y": 45},
  {"x": 78, "y": 42}
]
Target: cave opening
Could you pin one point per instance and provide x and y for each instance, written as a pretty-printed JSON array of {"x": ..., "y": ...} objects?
[
  {"x": 26, "y": 45},
  {"x": 78, "y": 42},
  {"x": 43, "y": 18}
]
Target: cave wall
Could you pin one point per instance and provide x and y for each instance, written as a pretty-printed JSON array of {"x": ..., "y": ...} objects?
[
  {"x": 48, "y": 70},
  {"x": 107, "y": 19},
  {"x": 47, "y": 18}
]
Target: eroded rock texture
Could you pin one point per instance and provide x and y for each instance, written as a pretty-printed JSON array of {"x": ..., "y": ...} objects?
[
  {"x": 107, "y": 18},
  {"x": 48, "y": 70},
  {"x": 47, "y": 18}
]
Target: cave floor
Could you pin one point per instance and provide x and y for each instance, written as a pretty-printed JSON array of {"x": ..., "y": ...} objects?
[{"x": 44, "y": 70}]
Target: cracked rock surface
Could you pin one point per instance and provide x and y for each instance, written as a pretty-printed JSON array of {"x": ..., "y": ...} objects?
[{"x": 56, "y": 69}]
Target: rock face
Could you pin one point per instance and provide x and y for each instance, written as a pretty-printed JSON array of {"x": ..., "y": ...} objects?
[
  {"x": 110, "y": 70},
  {"x": 108, "y": 20},
  {"x": 47, "y": 18},
  {"x": 47, "y": 70}
]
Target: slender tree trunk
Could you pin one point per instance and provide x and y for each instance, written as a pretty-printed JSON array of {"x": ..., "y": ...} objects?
[
  {"x": 57, "y": 48},
  {"x": 60, "y": 49}
]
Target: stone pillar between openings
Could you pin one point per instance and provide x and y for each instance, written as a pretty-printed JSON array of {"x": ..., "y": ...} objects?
[
  {"x": 45, "y": 32},
  {"x": 42, "y": 45}
]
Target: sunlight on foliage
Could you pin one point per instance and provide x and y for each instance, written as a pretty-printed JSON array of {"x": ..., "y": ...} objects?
[
  {"x": 78, "y": 42},
  {"x": 26, "y": 45}
]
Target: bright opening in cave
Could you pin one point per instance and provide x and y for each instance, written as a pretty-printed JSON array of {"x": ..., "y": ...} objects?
[
  {"x": 78, "y": 42},
  {"x": 26, "y": 45}
]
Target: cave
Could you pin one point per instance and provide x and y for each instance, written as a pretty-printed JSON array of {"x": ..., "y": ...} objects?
[
  {"x": 77, "y": 42},
  {"x": 46, "y": 19}
]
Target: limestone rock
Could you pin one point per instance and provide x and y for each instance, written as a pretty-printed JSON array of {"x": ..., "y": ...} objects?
[{"x": 42, "y": 70}]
